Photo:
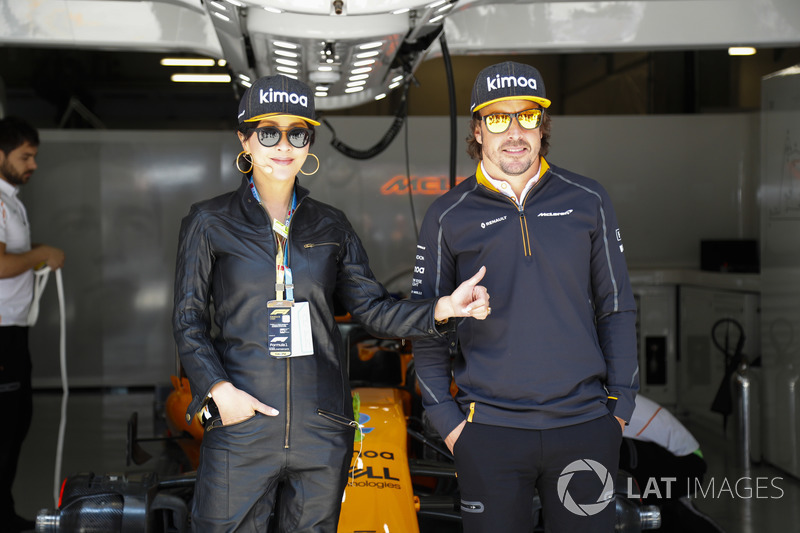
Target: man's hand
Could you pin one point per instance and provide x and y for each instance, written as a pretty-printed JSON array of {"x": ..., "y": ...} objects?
[
  {"x": 451, "y": 439},
  {"x": 469, "y": 299},
  {"x": 621, "y": 423},
  {"x": 235, "y": 405}
]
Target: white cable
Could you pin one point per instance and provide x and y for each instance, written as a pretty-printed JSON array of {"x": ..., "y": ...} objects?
[
  {"x": 62, "y": 346},
  {"x": 40, "y": 282}
]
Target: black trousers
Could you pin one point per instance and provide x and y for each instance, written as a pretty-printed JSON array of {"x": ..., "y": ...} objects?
[
  {"x": 16, "y": 399},
  {"x": 573, "y": 468}
]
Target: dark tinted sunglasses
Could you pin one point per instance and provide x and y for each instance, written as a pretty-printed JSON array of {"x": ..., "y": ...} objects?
[{"x": 269, "y": 136}]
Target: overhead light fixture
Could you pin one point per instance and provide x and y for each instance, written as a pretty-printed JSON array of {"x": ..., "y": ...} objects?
[
  {"x": 356, "y": 83},
  {"x": 436, "y": 19},
  {"x": 359, "y": 77},
  {"x": 364, "y": 62},
  {"x": 243, "y": 77},
  {"x": 218, "y": 5},
  {"x": 201, "y": 78},
  {"x": 287, "y": 70},
  {"x": 354, "y": 89},
  {"x": 368, "y": 46},
  {"x": 361, "y": 70},
  {"x": 284, "y": 53},
  {"x": 363, "y": 55},
  {"x": 235, "y": 3},
  {"x": 273, "y": 10},
  {"x": 288, "y": 62},
  {"x": 284, "y": 44},
  {"x": 222, "y": 62},
  {"x": 380, "y": 96},
  {"x": 221, "y": 16},
  {"x": 187, "y": 62},
  {"x": 741, "y": 51}
]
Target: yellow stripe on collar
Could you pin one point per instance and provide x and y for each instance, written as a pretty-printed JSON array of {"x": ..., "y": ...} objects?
[{"x": 481, "y": 177}]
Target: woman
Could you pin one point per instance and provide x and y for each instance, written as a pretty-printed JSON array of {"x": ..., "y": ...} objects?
[{"x": 272, "y": 260}]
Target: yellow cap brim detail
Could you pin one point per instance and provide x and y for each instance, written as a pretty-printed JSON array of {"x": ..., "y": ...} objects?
[
  {"x": 259, "y": 118},
  {"x": 544, "y": 102}
]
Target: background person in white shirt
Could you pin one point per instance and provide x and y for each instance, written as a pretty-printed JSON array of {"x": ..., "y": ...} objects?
[{"x": 19, "y": 145}]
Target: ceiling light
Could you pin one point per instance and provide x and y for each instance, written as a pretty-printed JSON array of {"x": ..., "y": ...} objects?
[
  {"x": 353, "y": 89},
  {"x": 273, "y": 10},
  {"x": 444, "y": 8},
  {"x": 322, "y": 88},
  {"x": 325, "y": 68},
  {"x": 187, "y": 62},
  {"x": 395, "y": 84},
  {"x": 359, "y": 77},
  {"x": 320, "y": 94},
  {"x": 380, "y": 96},
  {"x": 363, "y": 62},
  {"x": 288, "y": 62},
  {"x": 367, "y": 46},
  {"x": 284, "y": 53},
  {"x": 218, "y": 5},
  {"x": 222, "y": 62},
  {"x": 437, "y": 3},
  {"x": 741, "y": 51},
  {"x": 356, "y": 83},
  {"x": 361, "y": 70},
  {"x": 201, "y": 78},
  {"x": 244, "y": 78},
  {"x": 221, "y": 17},
  {"x": 287, "y": 70},
  {"x": 434, "y": 20},
  {"x": 235, "y": 3},
  {"x": 362, "y": 55},
  {"x": 397, "y": 78},
  {"x": 284, "y": 44}
]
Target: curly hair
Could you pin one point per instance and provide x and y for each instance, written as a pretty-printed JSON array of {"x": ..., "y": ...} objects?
[{"x": 474, "y": 147}]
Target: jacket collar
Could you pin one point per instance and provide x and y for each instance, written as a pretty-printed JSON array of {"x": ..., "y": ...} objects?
[
  {"x": 481, "y": 177},
  {"x": 252, "y": 211}
]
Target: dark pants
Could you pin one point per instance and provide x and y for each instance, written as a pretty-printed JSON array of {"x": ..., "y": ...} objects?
[
  {"x": 16, "y": 399},
  {"x": 660, "y": 474},
  {"x": 246, "y": 474},
  {"x": 573, "y": 468}
]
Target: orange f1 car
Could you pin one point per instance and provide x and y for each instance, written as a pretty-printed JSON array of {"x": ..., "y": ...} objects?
[{"x": 400, "y": 477}]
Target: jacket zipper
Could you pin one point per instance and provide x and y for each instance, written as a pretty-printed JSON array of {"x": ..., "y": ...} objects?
[
  {"x": 315, "y": 244},
  {"x": 338, "y": 419}
]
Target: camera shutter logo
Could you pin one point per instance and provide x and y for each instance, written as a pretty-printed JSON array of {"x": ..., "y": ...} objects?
[{"x": 588, "y": 509}]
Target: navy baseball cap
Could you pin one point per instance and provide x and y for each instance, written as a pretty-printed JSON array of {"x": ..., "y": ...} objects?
[
  {"x": 277, "y": 95},
  {"x": 508, "y": 81}
]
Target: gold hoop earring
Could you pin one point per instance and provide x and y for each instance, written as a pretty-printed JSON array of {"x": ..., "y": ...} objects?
[
  {"x": 248, "y": 158},
  {"x": 315, "y": 170}
]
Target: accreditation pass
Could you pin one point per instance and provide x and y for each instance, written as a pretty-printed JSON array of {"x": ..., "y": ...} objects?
[{"x": 289, "y": 329}]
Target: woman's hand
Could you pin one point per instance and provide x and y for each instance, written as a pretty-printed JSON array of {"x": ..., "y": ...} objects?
[
  {"x": 235, "y": 405},
  {"x": 469, "y": 299}
]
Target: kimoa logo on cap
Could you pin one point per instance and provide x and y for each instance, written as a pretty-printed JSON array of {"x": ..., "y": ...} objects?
[
  {"x": 269, "y": 97},
  {"x": 502, "y": 82}
]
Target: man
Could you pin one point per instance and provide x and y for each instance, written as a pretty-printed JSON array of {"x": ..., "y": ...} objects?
[
  {"x": 665, "y": 459},
  {"x": 19, "y": 143},
  {"x": 547, "y": 381}
]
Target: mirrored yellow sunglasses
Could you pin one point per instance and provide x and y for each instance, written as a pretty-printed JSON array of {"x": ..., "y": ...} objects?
[{"x": 529, "y": 119}]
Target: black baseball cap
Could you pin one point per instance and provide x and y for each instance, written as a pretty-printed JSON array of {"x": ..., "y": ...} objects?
[
  {"x": 508, "y": 81},
  {"x": 277, "y": 95}
]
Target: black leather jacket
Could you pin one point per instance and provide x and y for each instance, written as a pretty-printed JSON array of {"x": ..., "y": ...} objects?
[{"x": 226, "y": 254}]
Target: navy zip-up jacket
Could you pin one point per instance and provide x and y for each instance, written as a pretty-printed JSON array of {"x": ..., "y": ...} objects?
[{"x": 559, "y": 347}]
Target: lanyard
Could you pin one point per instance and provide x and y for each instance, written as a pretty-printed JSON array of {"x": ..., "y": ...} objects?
[{"x": 283, "y": 274}]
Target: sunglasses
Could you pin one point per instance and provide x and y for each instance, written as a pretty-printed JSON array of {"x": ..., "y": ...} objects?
[
  {"x": 530, "y": 119},
  {"x": 269, "y": 136}
]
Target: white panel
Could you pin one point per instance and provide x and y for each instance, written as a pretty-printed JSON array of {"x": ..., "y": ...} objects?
[
  {"x": 780, "y": 256},
  {"x": 621, "y": 25},
  {"x": 110, "y": 24}
]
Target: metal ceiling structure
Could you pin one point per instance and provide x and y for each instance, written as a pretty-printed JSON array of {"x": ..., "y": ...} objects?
[{"x": 355, "y": 51}]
